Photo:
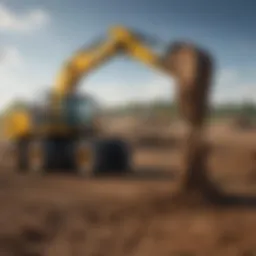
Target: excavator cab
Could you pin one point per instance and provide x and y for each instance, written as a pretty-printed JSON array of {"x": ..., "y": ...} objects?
[
  {"x": 77, "y": 114},
  {"x": 79, "y": 110}
]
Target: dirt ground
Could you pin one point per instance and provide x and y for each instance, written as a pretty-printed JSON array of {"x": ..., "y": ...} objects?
[{"x": 134, "y": 215}]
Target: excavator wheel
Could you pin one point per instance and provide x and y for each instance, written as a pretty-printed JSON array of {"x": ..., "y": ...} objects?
[
  {"x": 16, "y": 156},
  {"x": 12, "y": 157},
  {"x": 99, "y": 157},
  {"x": 113, "y": 157}
]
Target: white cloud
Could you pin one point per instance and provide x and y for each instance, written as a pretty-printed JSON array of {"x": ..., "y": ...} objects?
[
  {"x": 10, "y": 63},
  {"x": 15, "y": 78},
  {"x": 9, "y": 58},
  {"x": 30, "y": 20}
]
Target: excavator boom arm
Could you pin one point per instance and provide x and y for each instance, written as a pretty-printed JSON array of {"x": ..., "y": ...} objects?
[
  {"x": 84, "y": 61},
  {"x": 80, "y": 64}
]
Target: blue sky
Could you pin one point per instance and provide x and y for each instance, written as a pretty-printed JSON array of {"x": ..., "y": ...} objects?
[{"x": 37, "y": 36}]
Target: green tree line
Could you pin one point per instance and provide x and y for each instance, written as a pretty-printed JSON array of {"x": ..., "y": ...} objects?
[
  {"x": 163, "y": 108},
  {"x": 227, "y": 110}
]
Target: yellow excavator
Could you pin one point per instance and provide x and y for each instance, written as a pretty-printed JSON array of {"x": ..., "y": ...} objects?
[{"x": 63, "y": 133}]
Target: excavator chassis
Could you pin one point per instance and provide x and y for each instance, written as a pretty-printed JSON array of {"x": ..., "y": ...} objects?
[{"x": 83, "y": 156}]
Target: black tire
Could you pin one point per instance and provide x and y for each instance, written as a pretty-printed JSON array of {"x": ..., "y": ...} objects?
[
  {"x": 16, "y": 156},
  {"x": 12, "y": 157},
  {"x": 22, "y": 156},
  {"x": 113, "y": 157}
]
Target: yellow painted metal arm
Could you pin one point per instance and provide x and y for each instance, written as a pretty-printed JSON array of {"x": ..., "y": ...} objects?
[
  {"x": 80, "y": 65},
  {"x": 120, "y": 40},
  {"x": 137, "y": 49}
]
